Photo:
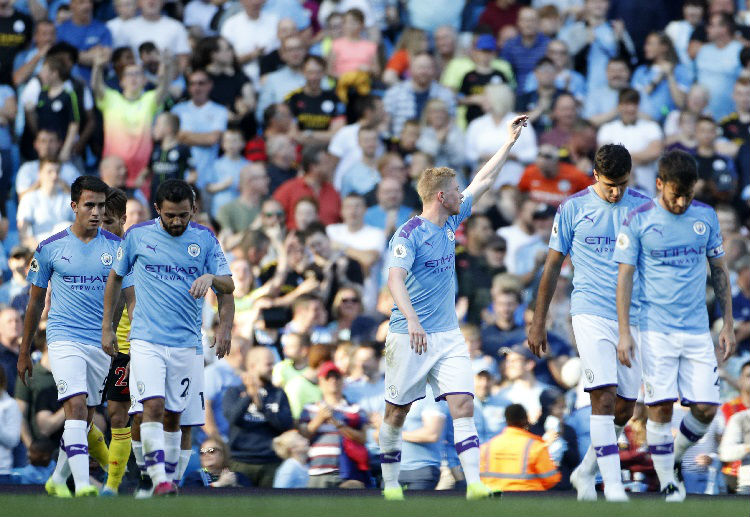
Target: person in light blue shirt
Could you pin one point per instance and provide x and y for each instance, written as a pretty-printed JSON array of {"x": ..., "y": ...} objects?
[
  {"x": 174, "y": 262},
  {"x": 585, "y": 228},
  {"x": 75, "y": 263},
  {"x": 421, "y": 453},
  {"x": 225, "y": 174},
  {"x": 670, "y": 241},
  {"x": 424, "y": 343}
]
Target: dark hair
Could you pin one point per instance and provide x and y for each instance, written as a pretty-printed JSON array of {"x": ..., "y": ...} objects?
[
  {"x": 744, "y": 365},
  {"x": 176, "y": 191},
  {"x": 57, "y": 65},
  {"x": 253, "y": 239},
  {"x": 63, "y": 47},
  {"x": 472, "y": 221},
  {"x": 628, "y": 96},
  {"x": 727, "y": 21},
  {"x": 612, "y": 161},
  {"x": 516, "y": 416},
  {"x": 544, "y": 60},
  {"x": 90, "y": 183},
  {"x": 705, "y": 118},
  {"x": 147, "y": 47},
  {"x": 116, "y": 202},
  {"x": 311, "y": 156},
  {"x": 119, "y": 52},
  {"x": 678, "y": 167},
  {"x": 745, "y": 56},
  {"x": 204, "y": 50},
  {"x": 357, "y": 14},
  {"x": 696, "y": 3},
  {"x": 172, "y": 119},
  {"x": 313, "y": 228},
  {"x": 666, "y": 41},
  {"x": 354, "y": 195},
  {"x": 317, "y": 59},
  {"x": 270, "y": 113},
  {"x": 3, "y": 380}
]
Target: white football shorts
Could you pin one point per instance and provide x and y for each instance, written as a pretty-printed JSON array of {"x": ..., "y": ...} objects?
[
  {"x": 158, "y": 371},
  {"x": 78, "y": 369},
  {"x": 195, "y": 410},
  {"x": 445, "y": 365},
  {"x": 596, "y": 339},
  {"x": 679, "y": 365}
]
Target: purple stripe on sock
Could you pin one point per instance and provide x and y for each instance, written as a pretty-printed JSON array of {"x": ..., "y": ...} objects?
[
  {"x": 170, "y": 468},
  {"x": 390, "y": 457},
  {"x": 606, "y": 450},
  {"x": 76, "y": 449},
  {"x": 152, "y": 458},
  {"x": 465, "y": 445},
  {"x": 690, "y": 435},
  {"x": 662, "y": 448}
]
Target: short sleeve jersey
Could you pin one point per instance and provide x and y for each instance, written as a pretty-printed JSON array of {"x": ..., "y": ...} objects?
[
  {"x": 428, "y": 254},
  {"x": 164, "y": 268},
  {"x": 586, "y": 228},
  {"x": 314, "y": 113},
  {"x": 77, "y": 273},
  {"x": 670, "y": 253}
]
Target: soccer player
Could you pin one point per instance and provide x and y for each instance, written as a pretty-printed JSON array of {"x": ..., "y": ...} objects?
[
  {"x": 668, "y": 241},
  {"x": 75, "y": 262},
  {"x": 116, "y": 387},
  {"x": 174, "y": 262},
  {"x": 424, "y": 343},
  {"x": 586, "y": 228}
]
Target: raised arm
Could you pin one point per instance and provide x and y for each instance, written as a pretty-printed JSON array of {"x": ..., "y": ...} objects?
[
  {"x": 37, "y": 297},
  {"x": 111, "y": 302},
  {"x": 487, "y": 175},
  {"x": 97, "y": 75},
  {"x": 166, "y": 72},
  {"x": 723, "y": 293},
  {"x": 537, "y": 336},
  {"x": 625, "y": 348}
]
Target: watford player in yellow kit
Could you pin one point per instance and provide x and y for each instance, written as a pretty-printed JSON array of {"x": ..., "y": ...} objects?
[{"x": 116, "y": 387}]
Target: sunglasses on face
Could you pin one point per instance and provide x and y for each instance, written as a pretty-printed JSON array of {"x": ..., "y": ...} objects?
[
  {"x": 208, "y": 450},
  {"x": 273, "y": 214},
  {"x": 349, "y": 300}
]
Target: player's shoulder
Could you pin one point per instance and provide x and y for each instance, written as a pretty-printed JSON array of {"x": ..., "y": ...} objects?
[
  {"x": 203, "y": 231},
  {"x": 702, "y": 209},
  {"x": 639, "y": 211},
  {"x": 52, "y": 239},
  {"x": 110, "y": 236},
  {"x": 140, "y": 227},
  {"x": 635, "y": 198},
  {"x": 407, "y": 229},
  {"x": 574, "y": 199}
]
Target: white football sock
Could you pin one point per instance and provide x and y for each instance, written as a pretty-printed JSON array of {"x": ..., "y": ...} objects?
[
  {"x": 152, "y": 436},
  {"x": 604, "y": 442},
  {"x": 691, "y": 430},
  {"x": 171, "y": 452},
  {"x": 77, "y": 450},
  {"x": 390, "y": 454},
  {"x": 661, "y": 447},
  {"x": 467, "y": 447}
]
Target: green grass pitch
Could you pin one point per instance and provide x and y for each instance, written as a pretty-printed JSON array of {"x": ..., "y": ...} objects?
[{"x": 366, "y": 506}]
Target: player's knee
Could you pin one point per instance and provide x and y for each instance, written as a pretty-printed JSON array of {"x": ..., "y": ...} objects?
[
  {"x": 660, "y": 412},
  {"x": 187, "y": 437},
  {"x": 75, "y": 408},
  {"x": 153, "y": 410},
  {"x": 603, "y": 402},
  {"x": 704, "y": 413},
  {"x": 623, "y": 411},
  {"x": 395, "y": 415},
  {"x": 171, "y": 421},
  {"x": 461, "y": 406}
]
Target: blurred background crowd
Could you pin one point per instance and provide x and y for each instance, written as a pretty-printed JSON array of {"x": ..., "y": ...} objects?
[{"x": 303, "y": 125}]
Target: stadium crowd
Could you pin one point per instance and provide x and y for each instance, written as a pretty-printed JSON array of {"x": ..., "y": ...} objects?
[{"x": 303, "y": 126}]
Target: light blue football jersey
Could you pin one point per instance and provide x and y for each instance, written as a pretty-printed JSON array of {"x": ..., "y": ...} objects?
[
  {"x": 77, "y": 273},
  {"x": 586, "y": 228},
  {"x": 670, "y": 253},
  {"x": 164, "y": 267},
  {"x": 428, "y": 254}
]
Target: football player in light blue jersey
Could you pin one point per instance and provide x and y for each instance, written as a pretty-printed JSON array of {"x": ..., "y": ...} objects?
[
  {"x": 668, "y": 241},
  {"x": 75, "y": 264},
  {"x": 174, "y": 262},
  {"x": 424, "y": 343},
  {"x": 586, "y": 227}
]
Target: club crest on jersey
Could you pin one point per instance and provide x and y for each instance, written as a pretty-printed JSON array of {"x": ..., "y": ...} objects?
[
  {"x": 194, "y": 250},
  {"x": 699, "y": 227},
  {"x": 34, "y": 266},
  {"x": 141, "y": 387},
  {"x": 399, "y": 251},
  {"x": 589, "y": 375},
  {"x": 62, "y": 386},
  {"x": 623, "y": 242},
  {"x": 392, "y": 391},
  {"x": 106, "y": 259},
  {"x": 119, "y": 253},
  {"x": 450, "y": 234}
]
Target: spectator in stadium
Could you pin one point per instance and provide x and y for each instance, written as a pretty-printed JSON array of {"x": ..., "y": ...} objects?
[
  {"x": 499, "y": 14},
  {"x": 525, "y": 50},
  {"x": 440, "y": 136},
  {"x": 352, "y": 52},
  {"x": 680, "y": 31},
  {"x": 214, "y": 471},
  {"x": 411, "y": 42},
  {"x": 40, "y": 465},
  {"x": 506, "y": 298},
  {"x": 362, "y": 175},
  {"x": 295, "y": 347},
  {"x": 564, "y": 117},
  {"x": 165, "y": 32},
  {"x": 406, "y": 100},
  {"x": 315, "y": 183},
  {"x": 125, "y": 10},
  {"x": 663, "y": 84},
  {"x": 303, "y": 389},
  {"x": 336, "y": 431},
  {"x": 560, "y": 438},
  {"x": 239, "y": 214},
  {"x": 293, "y": 448},
  {"x": 539, "y": 102},
  {"x": 549, "y": 180},
  {"x": 717, "y": 179},
  {"x": 643, "y": 139},
  {"x": 17, "y": 30},
  {"x": 485, "y": 133},
  {"x": 475, "y": 273},
  {"x": 735, "y": 127},
  {"x": 219, "y": 376},
  {"x": 44, "y": 210},
  {"x": 566, "y": 79},
  {"x": 11, "y": 327},
  {"x": 492, "y": 407},
  {"x": 86, "y": 34},
  {"x": 600, "y": 105},
  {"x": 19, "y": 260},
  {"x": 272, "y": 61},
  {"x": 520, "y": 232},
  {"x": 224, "y": 180},
  {"x": 282, "y": 156},
  {"x": 10, "y": 431},
  {"x": 305, "y": 213},
  {"x": 278, "y": 84},
  {"x": 257, "y": 412},
  {"x": 28, "y": 62},
  {"x": 389, "y": 213},
  {"x": 365, "y": 381},
  {"x": 741, "y": 305},
  {"x": 519, "y": 382},
  {"x": 728, "y": 409},
  {"x": 717, "y": 63},
  {"x": 517, "y": 460},
  {"x": 735, "y": 447}
]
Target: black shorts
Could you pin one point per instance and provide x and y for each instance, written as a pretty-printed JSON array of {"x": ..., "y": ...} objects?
[{"x": 116, "y": 387}]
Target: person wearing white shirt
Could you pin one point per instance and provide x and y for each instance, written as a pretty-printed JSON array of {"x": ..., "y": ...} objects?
[
  {"x": 198, "y": 13},
  {"x": 252, "y": 34},
  {"x": 126, "y": 10},
  {"x": 10, "y": 431},
  {"x": 642, "y": 138},
  {"x": 44, "y": 210},
  {"x": 680, "y": 31},
  {"x": 520, "y": 233},
  {"x": 277, "y": 85},
  {"x": 47, "y": 145},
  {"x": 485, "y": 133},
  {"x": 735, "y": 446},
  {"x": 164, "y": 32}
]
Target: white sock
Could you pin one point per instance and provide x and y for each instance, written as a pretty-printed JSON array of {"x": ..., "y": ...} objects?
[
  {"x": 185, "y": 455},
  {"x": 691, "y": 430},
  {"x": 152, "y": 436},
  {"x": 604, "y": 442},
  {"x": 77, "y": 450},
  {"x": 390, "y": 454},
  {"x": 618, "y": 430},
  {"x": 588, "y": 463},
  {"x": 171, "y": 452},
  {"x": 138, "y": 453},
  {"x": 661, "y": 447},
  {"x": 62, "y": 469},
  {"x": 467, "y": 447}
]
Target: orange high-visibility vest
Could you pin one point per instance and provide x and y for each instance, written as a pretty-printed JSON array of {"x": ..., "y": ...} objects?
[{"x": 517, "y": 460}]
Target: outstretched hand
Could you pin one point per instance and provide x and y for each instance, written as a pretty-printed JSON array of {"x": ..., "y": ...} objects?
[{"x": 516, "y": 125}]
